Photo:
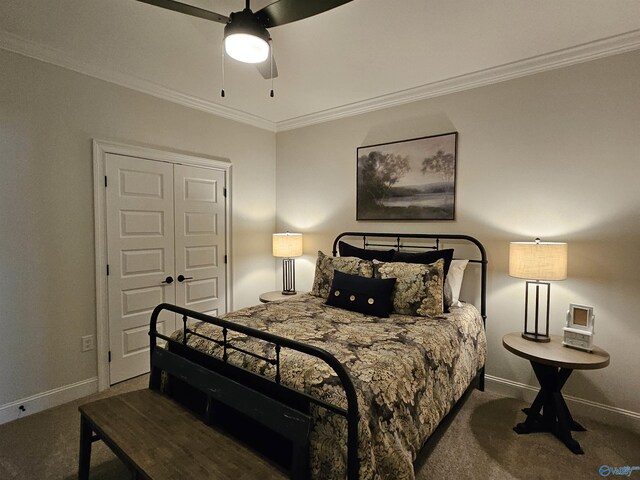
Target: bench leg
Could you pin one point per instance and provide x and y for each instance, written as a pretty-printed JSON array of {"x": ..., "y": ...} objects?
[
  {"x": 85, "y": 449},
  {"x": 300, "y": 461}
]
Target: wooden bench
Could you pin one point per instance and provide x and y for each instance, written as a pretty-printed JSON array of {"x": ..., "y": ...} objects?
[{"x": 159, "y": 438}]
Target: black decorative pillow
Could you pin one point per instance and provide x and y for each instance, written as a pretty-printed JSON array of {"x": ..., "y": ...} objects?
[
  {"x": 347, "y": 250},
  {"x": 419, "y": 289},
  {"x": 371, "y": 296},
  {"x": 425, "y": 258},
  {"x": 325, "y": 267}
]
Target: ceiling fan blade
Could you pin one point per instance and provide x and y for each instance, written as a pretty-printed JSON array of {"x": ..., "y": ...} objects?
[
  {"x": 265, "y": 69},
  {"x": 188, "y": 10},
  {"x": 287, "y": 11}
]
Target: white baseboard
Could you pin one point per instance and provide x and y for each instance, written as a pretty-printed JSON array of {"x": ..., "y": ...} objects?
[
  {"x": 579, "y": 407},
  {"x": 52, "y": 398}
]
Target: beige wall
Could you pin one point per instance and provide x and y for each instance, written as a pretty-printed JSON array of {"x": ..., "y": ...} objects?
[
  {"x": 48, "y": 117},
  {"x": 554, "y": 155}
]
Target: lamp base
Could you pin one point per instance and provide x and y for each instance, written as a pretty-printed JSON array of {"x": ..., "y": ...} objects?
[
  {"x": 288, "y": 276},
  {"x": 536, "y": 337},
  {"x": 532, "y": 334}
]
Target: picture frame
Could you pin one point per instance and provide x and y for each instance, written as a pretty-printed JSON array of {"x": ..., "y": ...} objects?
[
  {"x": 412, "y": 179},
  {"x": 580, "y": 317}
]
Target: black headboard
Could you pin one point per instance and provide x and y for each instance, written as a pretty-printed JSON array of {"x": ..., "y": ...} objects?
[{"x": 416, "y": 241}]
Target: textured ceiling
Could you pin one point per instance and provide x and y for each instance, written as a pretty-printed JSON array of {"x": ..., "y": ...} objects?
[{"x": 360, "y": 51}]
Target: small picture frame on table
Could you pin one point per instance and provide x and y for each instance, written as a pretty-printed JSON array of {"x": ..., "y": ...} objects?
[
  {"x": 578, "y": 332},
  {"x": 580, "y": 317}
]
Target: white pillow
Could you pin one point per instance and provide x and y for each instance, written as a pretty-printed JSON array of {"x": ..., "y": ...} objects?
[{"x": 453, "y": 283}]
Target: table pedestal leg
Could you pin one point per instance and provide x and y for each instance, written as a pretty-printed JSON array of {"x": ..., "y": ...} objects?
[{"x": 555, "y": 417}]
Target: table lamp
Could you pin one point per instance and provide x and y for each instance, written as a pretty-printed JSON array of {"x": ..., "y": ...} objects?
[
  {"x": 536, "y": 261},
  {"x": 286, "y": 246}
]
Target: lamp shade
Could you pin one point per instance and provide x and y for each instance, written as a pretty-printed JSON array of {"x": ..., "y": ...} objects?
[
  {"x": 287, "y": 245},
  {"x": 538, "y": 260}
]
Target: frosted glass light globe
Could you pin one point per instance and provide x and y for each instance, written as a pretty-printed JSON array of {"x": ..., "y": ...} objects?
[{"x": 246, "y": 48}]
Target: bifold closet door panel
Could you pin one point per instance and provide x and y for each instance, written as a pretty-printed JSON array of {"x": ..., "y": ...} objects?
[
  {"x": 200, "y": 235},
  {"x": 140, "y": 239}
]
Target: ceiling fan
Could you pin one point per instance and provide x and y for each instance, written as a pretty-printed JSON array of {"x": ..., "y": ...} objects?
[{"x": 246, "y": 37}]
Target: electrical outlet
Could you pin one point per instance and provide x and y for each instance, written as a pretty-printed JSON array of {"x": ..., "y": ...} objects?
[{"x": 87, "y": 343}]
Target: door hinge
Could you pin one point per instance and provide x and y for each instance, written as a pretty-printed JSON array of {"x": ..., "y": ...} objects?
[
  {"x": 225, "y": 259},
  {"x": 105, "y": 180},
  {"x": 109, "y": 356},
  {"x": 224, "y": 192},
  {"x": 107, "y": 269}
]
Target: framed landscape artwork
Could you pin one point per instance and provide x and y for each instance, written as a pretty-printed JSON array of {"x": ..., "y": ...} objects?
[{"x": 408, "y": 180}]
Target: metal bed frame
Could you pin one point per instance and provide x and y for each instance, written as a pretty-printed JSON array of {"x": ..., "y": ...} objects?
[
  {"x": 266, "y": 401},
  {"x": 269, "y": 402}
]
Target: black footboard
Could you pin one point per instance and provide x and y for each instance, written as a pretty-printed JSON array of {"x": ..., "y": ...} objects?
[{"x": 251, "y": 391}]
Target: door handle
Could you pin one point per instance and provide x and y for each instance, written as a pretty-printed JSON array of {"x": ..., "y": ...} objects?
[
  {"x": 182, "y": 278},
  {"x": 168, "y": 280}
]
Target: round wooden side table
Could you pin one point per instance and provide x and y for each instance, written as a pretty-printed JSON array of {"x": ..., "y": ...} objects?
[
  {"x": 276, "y": 295},
  {"x": 553, "y": 363}
]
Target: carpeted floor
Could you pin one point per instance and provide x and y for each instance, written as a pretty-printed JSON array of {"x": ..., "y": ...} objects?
[{"x": 477, "y": 443}]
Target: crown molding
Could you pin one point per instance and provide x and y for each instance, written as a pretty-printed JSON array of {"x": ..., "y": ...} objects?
[
  {"x": 29, "y": 48},
  {"x": 560, "y": 58}
]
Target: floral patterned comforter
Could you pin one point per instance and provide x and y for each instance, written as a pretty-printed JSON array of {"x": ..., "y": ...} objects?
[{"x": 408, "y": 372}]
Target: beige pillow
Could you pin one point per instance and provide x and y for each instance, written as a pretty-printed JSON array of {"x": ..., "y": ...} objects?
[
  {"x": 419, "y": 288},
  {"x": 453, "y": 283},
  {"x": 325, "y": 266}
]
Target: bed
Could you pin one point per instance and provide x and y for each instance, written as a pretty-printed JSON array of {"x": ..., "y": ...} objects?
[{"x": 374, "y": 388}]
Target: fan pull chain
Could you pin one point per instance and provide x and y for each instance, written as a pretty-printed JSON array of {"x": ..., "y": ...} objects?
[
  {"x": 271, "y": 52},
  {"x": 222, "y": 61}
]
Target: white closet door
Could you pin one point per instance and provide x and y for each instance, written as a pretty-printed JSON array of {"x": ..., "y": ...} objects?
[
  {"x": 140, "y": 238},
  {"x": 200, "y": 239}
]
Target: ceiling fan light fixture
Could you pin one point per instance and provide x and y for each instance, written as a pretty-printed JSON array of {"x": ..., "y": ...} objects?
[
  {"x": 246, "y": 48},
  {"x": 245, "y": 39}
]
